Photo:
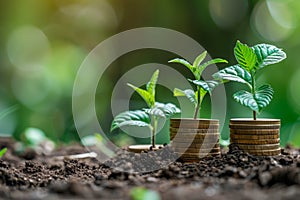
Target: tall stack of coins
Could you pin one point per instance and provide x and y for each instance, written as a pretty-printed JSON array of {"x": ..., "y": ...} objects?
[
  {"x": 259, "y": 137},
  {"x": 194, "y": 139}
]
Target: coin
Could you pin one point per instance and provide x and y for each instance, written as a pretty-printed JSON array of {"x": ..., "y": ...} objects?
[
  {"x": 190, "y": 130},
  {"x": 259, "y": 147},
  {"x": 191, "y": 150},
  {"x": 255, "y": 122},
  {"x": 197, "y": 135},
  {"x": 255, "y": 131},
  {"x": 195, "y": 140},
  {"x": 193, "y": 135},
  {"x": 194, "y": 123},
  {"x": 198, "y": 146},
  {"x": 265, "y": 152},
  {"x": 266, "y": 141},
  {"x": 254, "y": 137},
  {"x": 257, "y": 127},
  {"x": 198, "y": 155}
]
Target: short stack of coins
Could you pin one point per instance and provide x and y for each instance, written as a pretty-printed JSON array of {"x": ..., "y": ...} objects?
[
  {"x": 259, "y": 137},
  {"x": 194, "y": 139}
]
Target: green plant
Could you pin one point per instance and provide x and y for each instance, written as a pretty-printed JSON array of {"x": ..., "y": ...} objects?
[
  {"x": 146, "y": 117},
  {"x": 3, "y": 151},
  {"x": 141, "y": 193},
  {"x": 202, "y": 87},
  {"x": 250, "y": 61}
]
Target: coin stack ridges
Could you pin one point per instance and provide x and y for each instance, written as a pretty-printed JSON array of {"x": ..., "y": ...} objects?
[
  {"x": 259, "y": 137},
  {"x": 194, "y": 139}
]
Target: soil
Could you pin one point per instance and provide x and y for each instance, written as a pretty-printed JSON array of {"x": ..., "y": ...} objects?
[{"x": 233, "y": 175}]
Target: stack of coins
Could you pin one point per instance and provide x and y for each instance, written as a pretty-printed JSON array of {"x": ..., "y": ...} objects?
[
  {"x": 194, "y": 139},
  {"x": 259, "y": 137}
]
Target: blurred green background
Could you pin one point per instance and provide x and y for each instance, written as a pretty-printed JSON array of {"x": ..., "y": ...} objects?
[{"x": 43, "y": 43}]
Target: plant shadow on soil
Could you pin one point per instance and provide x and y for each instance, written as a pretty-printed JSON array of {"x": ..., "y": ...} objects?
[{"x": 233, "y": 175}]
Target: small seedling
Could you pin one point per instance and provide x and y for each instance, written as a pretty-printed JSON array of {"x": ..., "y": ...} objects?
[
  {"x": 250, "y": 61},
  {"x": 146, "y": 117},
  {"x": 202, "y": 87},
  {"x": 2, "y": 152}
]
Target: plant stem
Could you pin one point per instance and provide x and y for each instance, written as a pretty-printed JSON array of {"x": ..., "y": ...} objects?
[
  {"x": 154, "y": 127},
  {"x": 197, "y": 108},
  {"x": 254, "y": 115},
  {"x": 253, "y": 91}
]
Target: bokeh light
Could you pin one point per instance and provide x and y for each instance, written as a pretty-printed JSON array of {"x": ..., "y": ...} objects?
[
  {"x": 273, "y": 20},
  {"x": 229, "y": 13}
]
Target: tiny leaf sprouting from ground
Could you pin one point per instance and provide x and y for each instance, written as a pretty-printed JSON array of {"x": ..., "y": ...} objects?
[
  {"x": 3, "y": 151},
  {"x": 141, "y": 193}
]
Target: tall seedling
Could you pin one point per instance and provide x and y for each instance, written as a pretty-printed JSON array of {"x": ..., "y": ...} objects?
[
  {"x": 146, "y": 117},
  {"x": 250, "y": 61}
]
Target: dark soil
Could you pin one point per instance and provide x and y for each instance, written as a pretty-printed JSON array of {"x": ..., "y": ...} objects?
[{"x": 233, "y": 175}]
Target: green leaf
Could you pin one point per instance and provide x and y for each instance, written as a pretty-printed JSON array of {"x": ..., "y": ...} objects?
[
  {"x": 183, "y": 62},
  {"x": 263, "y": 96},
  {"x": 141, "y": 193},
  {"x": 190, "y": 94},
  {"x": 163, "y": 110},
  {"x": 245, "y": 56},
  {"x": 268, "y": 54},
  {"x": 3, "y": 151},
  {"x": 199, "y": 59},
  {"x": 202, "y": 95},
  {"x": 131, "y": 118},
  {"x": 214, "y": 61},
  {"x": 201, "y": 84},
  {"x": 152, "y": 83},
  {"x": 234, "y": 73},
  {"x": 208, "y": 86},
  {"x": 257, "y": 101},
  {"x": 212, "y": 85},
  {"x": 148, "y": 98}
]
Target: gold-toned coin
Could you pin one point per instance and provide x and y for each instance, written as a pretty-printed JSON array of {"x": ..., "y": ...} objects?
[
  {"x": 254, "y": 137},
  {"x": 196, "y": 140},
  {"x": 194, "y": 124},
  {"x": 265, "y": 152},
  {"x": 198, "y": 155},
  {"x": 193, "y": 135},
  {"x": 198, "y": 146},
  {"x": 257, "y": 127},
  {"x": 190, "y": 130},
  {"x": 255, "y": 131},
  {"x": 194, "y": 121},
  {"x": 267, "y": 141},
  {"x": 254, "y": 122},
  {"x": 197, "y": 135},
  {"x": 259, "y": 147},
  {"x": 190, "y": 150}
]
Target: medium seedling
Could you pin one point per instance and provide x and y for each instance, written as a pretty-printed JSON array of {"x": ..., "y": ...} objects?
[
  {"x": 250, "y": 61},
  {"x": 202, "y": 87}
]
